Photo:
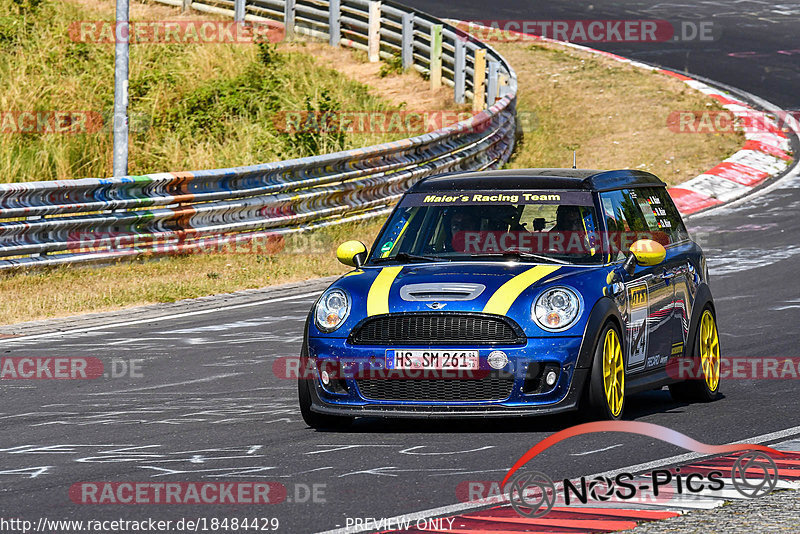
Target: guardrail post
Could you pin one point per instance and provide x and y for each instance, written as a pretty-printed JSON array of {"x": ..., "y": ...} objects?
[
  {"x": 460, "y": 71},
  {"x": 187, "y": 5},
  {"x": 374, "y": 31},
  {"x": 436, "y": 56},
  {"x": 478, "y": 81},
  {"x": 238, "y": 10},
  {"x": 334, "y": 23},
  {"x": 502, "y": 82},
  {"x": 494, "y": 80},
  {"x": 288, "y": 19},
  {"x": 408, "y": 40}
]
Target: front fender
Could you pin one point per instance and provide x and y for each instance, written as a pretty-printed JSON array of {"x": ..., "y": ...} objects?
[
  {"x": 701, "y": 299},
  {"x": 604, "y": 309}
]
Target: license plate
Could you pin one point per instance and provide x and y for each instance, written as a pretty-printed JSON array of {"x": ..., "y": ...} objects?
[{"x": 432, "y": 359}]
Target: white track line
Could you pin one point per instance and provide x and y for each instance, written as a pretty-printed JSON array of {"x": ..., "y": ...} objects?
[
  {"x": 186, "y": 383},
  {"x": 595, "y": 451},
  {"x": 468, "y": 506},
  {"x": 159, "y": 318}
]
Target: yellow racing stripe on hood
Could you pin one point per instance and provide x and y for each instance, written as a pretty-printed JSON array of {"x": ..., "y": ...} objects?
[
  {"x": 378, "y": 296},
  {"x": 506, "y": 294}
]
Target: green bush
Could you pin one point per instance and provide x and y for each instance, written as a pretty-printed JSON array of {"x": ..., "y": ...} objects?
[{"x": 392, "y": 65}]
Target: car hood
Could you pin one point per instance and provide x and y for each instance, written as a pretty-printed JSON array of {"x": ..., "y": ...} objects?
[{"x": 497, "y": 287}]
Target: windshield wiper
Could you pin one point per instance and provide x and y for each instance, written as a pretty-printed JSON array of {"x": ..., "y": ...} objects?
[
  {"x": 405, "y": 256},
  {"x": 518, "y": 254}
]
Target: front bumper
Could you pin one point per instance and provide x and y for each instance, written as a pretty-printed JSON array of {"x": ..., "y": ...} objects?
[{"x": 346, "y": 398}]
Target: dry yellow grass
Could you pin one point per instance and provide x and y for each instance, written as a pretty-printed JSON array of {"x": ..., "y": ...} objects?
[
  {"x": 68, "y": 291},
  {"x": 613, "y": 114},
  {"x": 407, "y": 90}
]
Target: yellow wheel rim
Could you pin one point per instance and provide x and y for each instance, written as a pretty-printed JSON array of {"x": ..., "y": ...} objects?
[
  {"x": 613, "y": 372},
  {"x": 709, "y": 350}
]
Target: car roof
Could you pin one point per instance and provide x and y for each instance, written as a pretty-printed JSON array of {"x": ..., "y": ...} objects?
[{"x": 580, "y": 179}]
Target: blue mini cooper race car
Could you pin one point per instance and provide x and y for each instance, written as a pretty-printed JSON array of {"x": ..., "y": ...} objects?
[{"x": 514, "y": 293}]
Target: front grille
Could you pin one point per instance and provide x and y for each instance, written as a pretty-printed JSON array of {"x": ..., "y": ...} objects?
[
  {"x": 437, "y": 390},
  {"x": 437, "y": 329}
]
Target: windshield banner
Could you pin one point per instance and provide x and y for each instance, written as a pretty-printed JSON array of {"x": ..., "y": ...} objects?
[{"x": 489, "y": 198}]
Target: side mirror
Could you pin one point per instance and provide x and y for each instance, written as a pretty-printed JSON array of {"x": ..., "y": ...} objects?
[
  {"x": 645, "y": 252},
  {"x": 352, "y": 253}
]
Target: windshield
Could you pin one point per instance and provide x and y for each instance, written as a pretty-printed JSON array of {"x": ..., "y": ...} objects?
[{"x": 537, "y": 226}]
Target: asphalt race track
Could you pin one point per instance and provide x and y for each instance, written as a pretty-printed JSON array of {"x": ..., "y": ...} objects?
[
  {"x": 755, "y": 44},
  {"x": 205, "y": 404}
]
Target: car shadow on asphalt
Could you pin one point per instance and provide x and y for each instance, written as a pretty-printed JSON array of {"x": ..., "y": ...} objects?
[{"x": 637, "y": 406}]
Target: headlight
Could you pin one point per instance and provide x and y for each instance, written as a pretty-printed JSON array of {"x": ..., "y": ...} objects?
[
  {"x": 556, "y": 309},
  {"x": 332, "y": 309}
]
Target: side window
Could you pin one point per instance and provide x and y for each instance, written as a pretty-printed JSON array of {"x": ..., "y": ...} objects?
[
  {"x": 662, "y": 216},
  {"x": 678, "y": 231},
  {"x": 624, "y": 219}
]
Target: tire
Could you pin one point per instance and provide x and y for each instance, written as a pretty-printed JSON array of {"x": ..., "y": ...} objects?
[
  {"x": 313, "y": 419},
  {"x": 706, "y": 356},
  {"x": 606, "y": 390}
]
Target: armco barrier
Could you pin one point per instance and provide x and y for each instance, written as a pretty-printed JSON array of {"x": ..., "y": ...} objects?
[{"x": 98, "y": 220}]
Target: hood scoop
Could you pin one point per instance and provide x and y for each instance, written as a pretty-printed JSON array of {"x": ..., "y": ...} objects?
[{"x": 440, "y": 292}]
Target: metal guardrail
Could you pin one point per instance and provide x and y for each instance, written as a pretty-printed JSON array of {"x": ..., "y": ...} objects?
[{"x": 98, "y": 220}]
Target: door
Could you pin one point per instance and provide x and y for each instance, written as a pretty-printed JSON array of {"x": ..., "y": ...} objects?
[
  {"x": 679, "y": 269},
  {"x": 650, "y": 291}
]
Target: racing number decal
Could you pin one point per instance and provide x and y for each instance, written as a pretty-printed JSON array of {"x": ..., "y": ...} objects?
[{"x": 639, "y": 305}]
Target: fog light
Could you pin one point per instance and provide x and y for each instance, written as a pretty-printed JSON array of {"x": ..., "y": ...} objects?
[
  {"x": 326, "y": 379},
  {"x": 550, "y": 378}
]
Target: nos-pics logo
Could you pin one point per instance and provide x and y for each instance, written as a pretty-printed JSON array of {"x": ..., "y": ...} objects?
[{"x": 533, "y": 493}]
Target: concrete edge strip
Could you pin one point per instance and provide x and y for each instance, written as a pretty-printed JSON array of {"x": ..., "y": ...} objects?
[{"x": 162, "y": 312}]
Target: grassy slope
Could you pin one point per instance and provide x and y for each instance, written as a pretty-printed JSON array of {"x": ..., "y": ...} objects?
[
  {"x": 613, "y": 114},
  {"x": 193, "y": 106}
]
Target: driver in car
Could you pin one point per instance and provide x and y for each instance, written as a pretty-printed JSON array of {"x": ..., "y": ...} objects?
[
  {"x": 460, "y": 220},
  {"x": 568, "y": 219},
  {"x": 569, "y": 222}
]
